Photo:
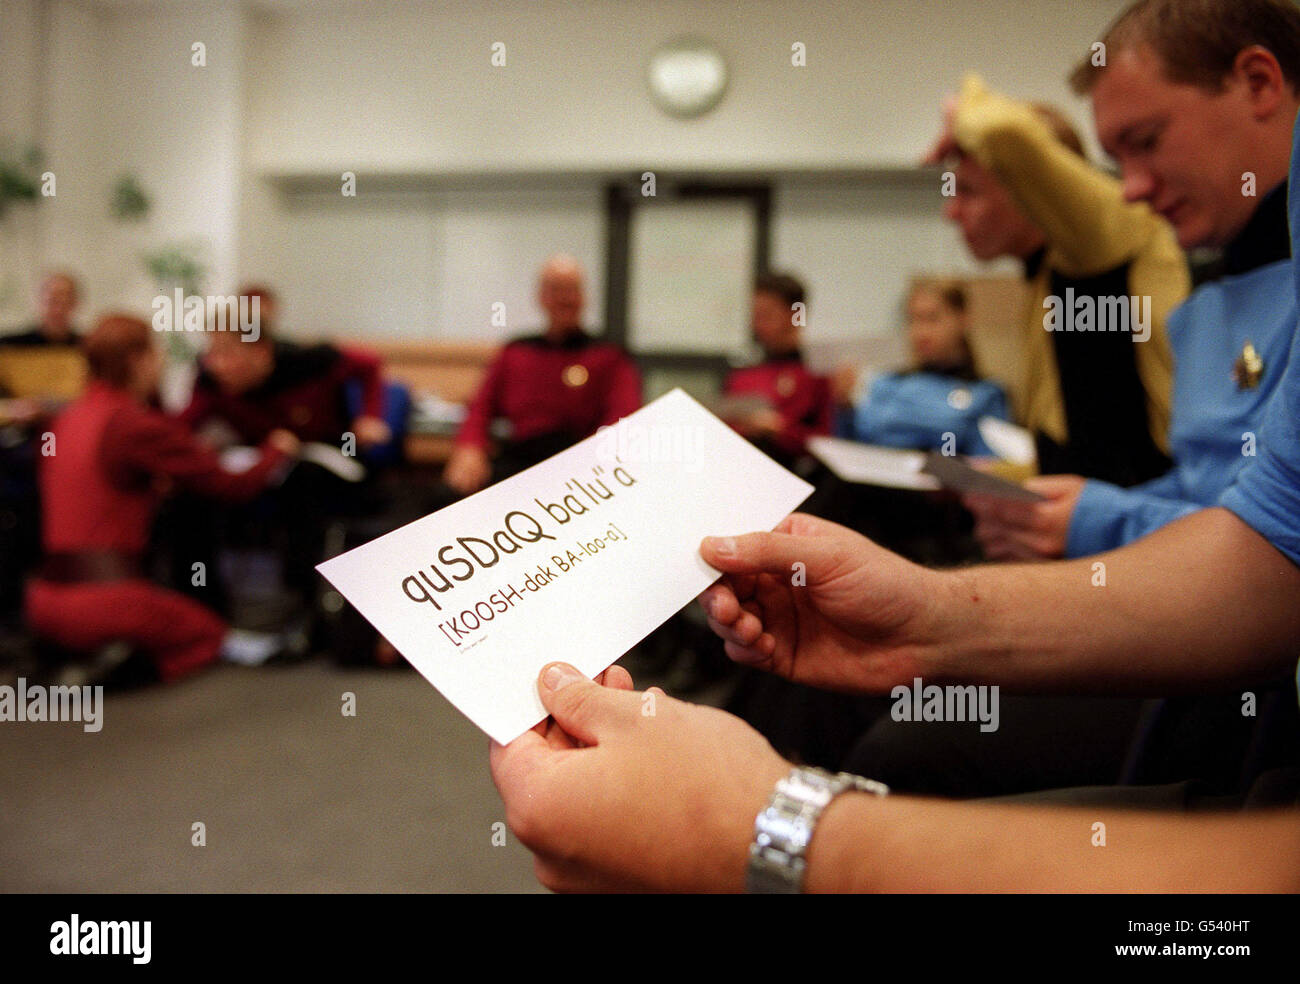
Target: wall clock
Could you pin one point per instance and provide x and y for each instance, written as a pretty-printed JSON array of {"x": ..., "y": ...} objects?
[{"x": 687, "y": 77}]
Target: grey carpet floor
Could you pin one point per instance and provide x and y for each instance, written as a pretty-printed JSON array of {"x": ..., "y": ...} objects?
[{"x": 294, "y": 796}]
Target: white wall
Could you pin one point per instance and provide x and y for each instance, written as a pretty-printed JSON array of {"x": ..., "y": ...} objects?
[
  {"x": 119, "y": 94},
  {"x": 19, "y": 99},
  {"x": 49, "y": 101},
  {"x": 178, "y": 126},
  {"x": 421, "y": 265},
  {"x": 857, "y": 245},
  {"x": 411, "y": 86},
  {"x": 301, "y": 89}
]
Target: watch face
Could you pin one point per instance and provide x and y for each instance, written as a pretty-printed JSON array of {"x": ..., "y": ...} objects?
[{"x": 687, "y": 77}]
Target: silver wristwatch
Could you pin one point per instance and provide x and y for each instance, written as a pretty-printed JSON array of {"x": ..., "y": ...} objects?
[{"x": 784, "y": 828}]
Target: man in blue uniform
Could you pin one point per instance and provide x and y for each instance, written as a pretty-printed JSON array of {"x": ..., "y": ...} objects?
[{"x": 1230, "y": 340}]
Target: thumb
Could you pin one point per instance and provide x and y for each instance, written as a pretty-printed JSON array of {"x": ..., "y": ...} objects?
[
  {"x": 757, "y": 553},
  {"x": 582, "y": 707},
  {"x": 1051, "y": 486}
]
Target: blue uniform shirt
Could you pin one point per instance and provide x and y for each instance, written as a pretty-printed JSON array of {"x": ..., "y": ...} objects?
[
  {"x": 1212, "y": 416},
  {"x": 1266, "y": 495},
  {"x": 917, "y": 409}
]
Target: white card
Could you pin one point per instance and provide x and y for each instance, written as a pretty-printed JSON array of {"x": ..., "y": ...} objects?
[
  {"x": 1007, "y": 441},
  {"x": 873, "y": 464},
  {"x": 576, "y": 559}
]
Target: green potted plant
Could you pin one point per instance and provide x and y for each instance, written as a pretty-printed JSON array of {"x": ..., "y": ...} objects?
[{"x": 20, "y": 175}]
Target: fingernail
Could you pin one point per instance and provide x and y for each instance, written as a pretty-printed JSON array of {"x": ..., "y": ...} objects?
[
  {"x": 559, "y": 675},
  {"x": 723, "y": 546}
]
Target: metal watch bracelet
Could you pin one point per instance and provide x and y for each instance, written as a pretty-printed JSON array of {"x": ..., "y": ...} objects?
[{"x": 784, "y": 828}]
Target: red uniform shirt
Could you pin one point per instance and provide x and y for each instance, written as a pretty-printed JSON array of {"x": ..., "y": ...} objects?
[
  {"x": 113, "y": 458},
  {"x": 304, "y": 394},
  {"x": 801, "y": 398},
  {"x": 543, "y": 388}
]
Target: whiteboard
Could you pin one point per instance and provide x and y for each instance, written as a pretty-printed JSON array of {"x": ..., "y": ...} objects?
[{"x": 691, "y": 271}]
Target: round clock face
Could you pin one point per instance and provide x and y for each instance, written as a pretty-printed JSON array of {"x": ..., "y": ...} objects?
[{"x": 687, "y": 77}]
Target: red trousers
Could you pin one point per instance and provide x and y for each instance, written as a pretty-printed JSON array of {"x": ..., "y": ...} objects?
[{"x": 178, "y": 633}]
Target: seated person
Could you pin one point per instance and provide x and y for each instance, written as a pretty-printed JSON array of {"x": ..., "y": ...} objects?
[
  {"x": 1208, "y": 602},
  {"x": 41, "y": 368},
  {"x": 797, "y": 401},
  {"x": 553, "y": 389},
  {"x": 1230, "y": 340},
  {"x": 777, "y": 404},
  {"x": 58, "y": 298},
  {"x": 113, "y": 456},
  {"x": 941, "y": 395},
  {"x": 41, "y": 365},
  {"x": 253, "y": 383},
  {"x": 1097, "y": 401}
]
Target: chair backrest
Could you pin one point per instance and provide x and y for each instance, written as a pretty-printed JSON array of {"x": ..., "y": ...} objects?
[{"x": 449, "y": 369}]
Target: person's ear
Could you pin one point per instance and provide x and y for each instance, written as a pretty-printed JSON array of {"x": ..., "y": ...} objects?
[{"x": 1258, "y": 70}]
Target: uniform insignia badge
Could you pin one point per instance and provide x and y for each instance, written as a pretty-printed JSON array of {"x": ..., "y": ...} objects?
[
  {"x": 575, "y": 375},
  {"x": 959, "y": 399},
  {"x": 785, "y": 385},
  {"x": 1248, "y": 370}
]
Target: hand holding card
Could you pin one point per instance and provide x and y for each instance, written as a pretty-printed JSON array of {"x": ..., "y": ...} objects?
[{"x": 576, "y": 559}]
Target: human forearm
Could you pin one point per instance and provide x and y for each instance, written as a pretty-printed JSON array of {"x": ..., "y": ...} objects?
[
  {"x": 574, "y": 792},
  {"x": 1107, "y": 517},
  {"x": 1199, "y": 605},
  {"x": 141, "y": 442},
  {"x": 475, "y": 430},
  {"x": 904, "y": 844}
]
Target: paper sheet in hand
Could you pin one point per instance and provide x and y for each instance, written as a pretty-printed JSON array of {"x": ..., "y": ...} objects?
[
  {"x": 872, "y": 464},
  {"x": 575, "y": 559},
  {"x": 332, "y": 460},
  {"x": 957, "y": 476},
  {"x": 241, "y": 458},
  {"x": 739, "y": 406},
  {"x": 1008, "y": 441}
]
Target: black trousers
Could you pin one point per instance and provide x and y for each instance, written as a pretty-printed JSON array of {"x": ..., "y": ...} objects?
[{"x": 1040, "y": 743}]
